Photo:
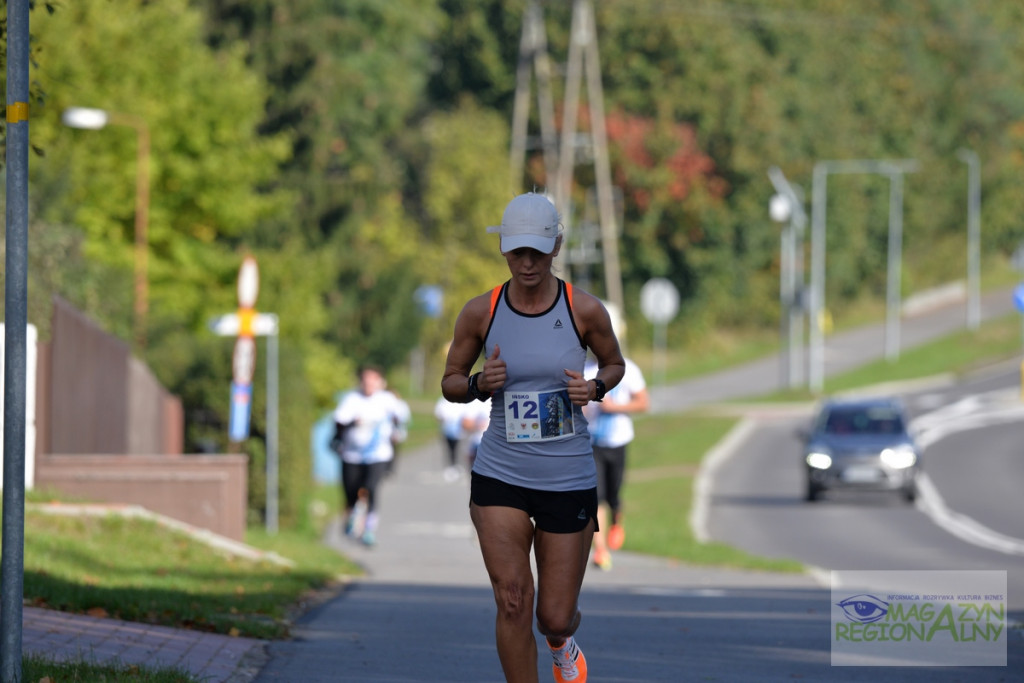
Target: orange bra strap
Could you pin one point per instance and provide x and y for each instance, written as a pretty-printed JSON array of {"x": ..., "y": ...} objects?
[
  {"x": 568, "y": 294},
  {"x": 495, "y": 294}
]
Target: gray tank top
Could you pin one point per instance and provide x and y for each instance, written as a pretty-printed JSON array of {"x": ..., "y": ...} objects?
[{"x": 536, "y": 438}]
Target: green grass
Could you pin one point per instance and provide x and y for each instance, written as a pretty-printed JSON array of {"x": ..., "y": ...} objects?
[
  {"x": 715, "y": 351},
  {"x": 957, "y": 354},
  {"x": 41, "y": 668},
  {"x": 138, "y": 571}
]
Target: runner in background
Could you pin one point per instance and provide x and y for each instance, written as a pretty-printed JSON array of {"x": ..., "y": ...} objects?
[
  {"x": 611, "y": 431},
  {"x": 369, "y": 421},
  {"x": 450, "y": 417},
  {"x": 474, "y": 423}
]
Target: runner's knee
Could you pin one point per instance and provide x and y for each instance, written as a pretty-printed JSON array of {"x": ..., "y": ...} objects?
[
  {"x": 557, "y": 623},
  {"x": 515, "y": 600}
]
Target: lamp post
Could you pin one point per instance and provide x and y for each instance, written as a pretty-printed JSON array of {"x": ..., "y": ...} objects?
[
  {"x": 970, "y": 157},
  {"x": 95, "y": 119},
  {"x": 894, "y": 169},
  {"x": 787, "y": 206}
]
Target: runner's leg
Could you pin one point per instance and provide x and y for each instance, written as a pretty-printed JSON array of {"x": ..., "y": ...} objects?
[{"x": 505, "y": 535}]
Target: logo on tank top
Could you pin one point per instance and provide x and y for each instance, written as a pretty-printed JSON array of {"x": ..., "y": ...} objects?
[{"x": 558, "y": 324}]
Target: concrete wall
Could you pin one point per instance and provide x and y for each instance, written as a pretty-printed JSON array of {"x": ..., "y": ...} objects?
[
  {"x": 110, "y": 433},
  {"x": 207, "y": 491},
  {"x": 99, "y": 397}
]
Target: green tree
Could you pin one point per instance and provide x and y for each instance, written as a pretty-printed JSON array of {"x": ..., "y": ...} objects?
[
  {"x": 464, "y": 159},
  {"x": 210, "y": 181},
  {"x": 347, "y": 81},
  {"x": 207, "y": 163}
]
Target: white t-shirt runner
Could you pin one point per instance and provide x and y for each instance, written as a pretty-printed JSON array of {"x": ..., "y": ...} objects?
[
  {"x": 611, "y": 430},
  {"x": 375, "y": 420}
]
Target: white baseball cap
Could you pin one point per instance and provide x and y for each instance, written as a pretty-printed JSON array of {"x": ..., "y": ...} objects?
[{"x": 530, "y": 220}]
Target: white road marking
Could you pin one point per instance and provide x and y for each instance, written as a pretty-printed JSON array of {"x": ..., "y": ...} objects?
[
  {"x": 930, "y": 502},
  {"x": 972, "y": 412},
  {"x": 702, "y": 483}
]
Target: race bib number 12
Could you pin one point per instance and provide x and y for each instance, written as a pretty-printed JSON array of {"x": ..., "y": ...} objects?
[{"x": 538, "y": 415}]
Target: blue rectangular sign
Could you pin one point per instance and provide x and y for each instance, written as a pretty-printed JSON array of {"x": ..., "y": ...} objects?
[{"x": 241, "y": 408}]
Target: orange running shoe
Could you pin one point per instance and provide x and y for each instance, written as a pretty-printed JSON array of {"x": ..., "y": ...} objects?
[
  {"x": 616, "y": 536},
  {"x": 603, "y": 560},
  {"x": 570, "y": 664}
]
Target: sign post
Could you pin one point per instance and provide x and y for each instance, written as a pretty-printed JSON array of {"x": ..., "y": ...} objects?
[
  {"x": 247, "y": 324},
  {"x": 659, "y": 302},
  {"x": 1018, "y": 301},
  {"x": 430, "y": 301},
  {"x": 243, "y": 360}
]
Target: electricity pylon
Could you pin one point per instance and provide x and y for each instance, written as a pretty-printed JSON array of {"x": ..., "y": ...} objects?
[
  {"x": 533, "y": 53},
  {"x": 583, "y": 57}
]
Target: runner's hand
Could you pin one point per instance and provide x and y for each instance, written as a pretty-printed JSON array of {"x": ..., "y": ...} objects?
[
  {"x": 579, "y": 388},
  {"x": 494, "y": 374}
]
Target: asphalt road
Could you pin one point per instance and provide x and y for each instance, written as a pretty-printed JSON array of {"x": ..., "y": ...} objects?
[
  {"x": 975, "y": 467},
  {"x": 980, "y": 473},
  {"x": 424, "y": 612}
]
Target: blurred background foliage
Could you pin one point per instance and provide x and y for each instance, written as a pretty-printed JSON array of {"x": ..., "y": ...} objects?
[{"x": 358, "y": 148}]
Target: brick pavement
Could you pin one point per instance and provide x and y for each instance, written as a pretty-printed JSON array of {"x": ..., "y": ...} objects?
[{"x": 211, "y": 657}]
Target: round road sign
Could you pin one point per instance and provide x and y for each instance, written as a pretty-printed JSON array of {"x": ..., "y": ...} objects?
[
  {"x": 430, "y": 299},
  {"x": 659, "y": 300},
  {"x": 1018, "y": 297}
]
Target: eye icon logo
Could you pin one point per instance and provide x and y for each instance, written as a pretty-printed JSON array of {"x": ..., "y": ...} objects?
[{"x": 864, "y": 608}]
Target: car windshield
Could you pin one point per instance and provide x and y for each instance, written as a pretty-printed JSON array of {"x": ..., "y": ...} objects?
[{"x": 863, "y": 420}]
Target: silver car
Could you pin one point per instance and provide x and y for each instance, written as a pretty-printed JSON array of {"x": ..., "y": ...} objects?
[{"x": 861, "y": 444}]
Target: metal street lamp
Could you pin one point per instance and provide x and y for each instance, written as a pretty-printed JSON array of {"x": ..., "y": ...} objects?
[
  {"x": 894, "y": 169},
  {"x": 787, "y": 207},
  {"x": 95, "y": 119},
  {"x": 970, "y": 157}
]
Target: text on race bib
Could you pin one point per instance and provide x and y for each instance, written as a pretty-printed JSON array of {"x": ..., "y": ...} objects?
[{"x": 538, "y": 415}]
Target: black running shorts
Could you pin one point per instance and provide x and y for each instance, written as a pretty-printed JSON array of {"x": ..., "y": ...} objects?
[{"x": 557, "y": 512}]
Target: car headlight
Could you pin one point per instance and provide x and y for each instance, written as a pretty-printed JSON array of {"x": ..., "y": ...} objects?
[
  {"x": 899, "y": 458},
  {"x": 819, "y": 460}
]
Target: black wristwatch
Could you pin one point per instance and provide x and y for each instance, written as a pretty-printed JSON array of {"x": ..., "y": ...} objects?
[
  {"x": 599, "y": 390},
  {"x": 475, "y": 391}
]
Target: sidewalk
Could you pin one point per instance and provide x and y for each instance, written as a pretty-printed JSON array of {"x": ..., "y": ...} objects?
[
  {"x": 75, "y": 637},
  {"x": 425, "y": 610}
]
